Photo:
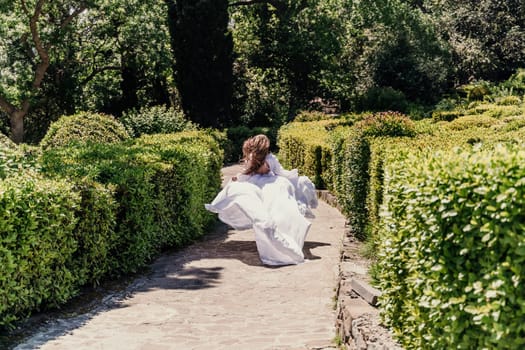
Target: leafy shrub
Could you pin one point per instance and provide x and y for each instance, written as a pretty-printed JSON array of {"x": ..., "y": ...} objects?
[
  {"x": 262, "y": 95},
  {"x": 476, "y": 91},
  {"x": 447, "y": 104},
  {"x": 447, "y": 116},
  {"x": 84, "y": 127},
  {"x": 383, "y": 99},
  {"x": 119, "y": 165},
  {"x": 305, "y": 146},
  {"x": 5, "y": 142},
  {"x": 94, "y": 231},
  {"x": 509, "y": 101},
  {"x": 350, "y": 159},
  {"x": 189, "y": 176},
  {"x": 15, "y": 161},
  {"x": 387, "y": 124},
  {"x": 452, "y": 249},
  {"x": 516, "y": 82},
  {"x": 37, "y": 242},
  {"x": 496, "y": 111},
  {"x": 311, "y": 116},
  {"x": 471, "y": 121},
  {"x": 513, "y": 123},
  {"x": 155, "y": 120},
  {"x": 160, "y": 182}
]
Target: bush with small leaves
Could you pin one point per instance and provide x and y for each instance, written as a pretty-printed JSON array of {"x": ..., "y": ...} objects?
[
  {"x": 387, "y": 124},
  {"x": 155, "y": 120},
  {"x": 5, "y": 142},
  {"x": 452, "y": 247},
  {"x": 84, "y": 127},
  {"x": 509, "y": 101},
  {"x": 311, "y": 116}
]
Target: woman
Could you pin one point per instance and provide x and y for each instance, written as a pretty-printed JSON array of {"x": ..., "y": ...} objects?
[{"x": 271, "y": 200}]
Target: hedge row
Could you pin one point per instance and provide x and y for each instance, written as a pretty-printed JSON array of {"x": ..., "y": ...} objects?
[
  {"x": 305, "y": 146},
  {"x": 37, "y": 223},
  {"x": 452, "y": 249},
  {"x": 449, "y": 225},
  {"x": 95, "y": 210},
  {"x": 335, "y": 153},
  {"x": 161, "y": 183}
]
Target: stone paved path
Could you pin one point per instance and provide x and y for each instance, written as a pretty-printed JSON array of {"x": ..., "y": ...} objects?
[{"x": 216, "y": 294}]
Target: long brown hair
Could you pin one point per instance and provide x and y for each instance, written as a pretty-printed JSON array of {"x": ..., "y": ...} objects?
[{"x": 254, "y": 151}]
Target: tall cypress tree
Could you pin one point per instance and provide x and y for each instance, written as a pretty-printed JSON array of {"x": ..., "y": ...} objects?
[{"x": 203, "y": 51}]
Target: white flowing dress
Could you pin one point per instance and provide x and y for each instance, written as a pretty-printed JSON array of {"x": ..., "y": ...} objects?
[{"x": 274, "y": 205}]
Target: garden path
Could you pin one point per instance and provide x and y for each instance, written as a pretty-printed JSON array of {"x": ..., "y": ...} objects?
[{"x": 215, "y": 294}]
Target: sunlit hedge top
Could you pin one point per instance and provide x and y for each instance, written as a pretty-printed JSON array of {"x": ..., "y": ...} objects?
[
  {"x": 5, "y": 142},
  {"x": 84, "y": 127}
]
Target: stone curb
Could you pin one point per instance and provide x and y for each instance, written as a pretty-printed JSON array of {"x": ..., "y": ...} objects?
[{"x": 358, "y": 324}]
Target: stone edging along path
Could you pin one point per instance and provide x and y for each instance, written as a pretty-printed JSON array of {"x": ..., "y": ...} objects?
[{"x": 358, "y": 325}]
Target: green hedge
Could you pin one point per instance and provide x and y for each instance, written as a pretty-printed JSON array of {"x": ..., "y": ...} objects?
[
  {"x": 305, "y": 146},
  {"x": 89, "y": 211},
  {"x": 95, "y": 231},
  {"x": 84, "y": 127},
  {"x": 155, "y": 120},
  {"x": 453, "y": 249},
  {"x": 37, "y": 223},
  {"x": 350, "y": 158},
  {"x": 161, "y": 184}
]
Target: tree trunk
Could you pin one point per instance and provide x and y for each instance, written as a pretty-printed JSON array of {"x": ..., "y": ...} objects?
[{"x": 17, "y": 125}]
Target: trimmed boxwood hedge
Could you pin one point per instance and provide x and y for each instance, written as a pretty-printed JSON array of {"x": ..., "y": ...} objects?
[
  {"x": 161, "y": 184},
  {"x": 89, "y": 211},
  {"x": 84, "y": 127},
  {"x": 305, "y": 146},
  {"x": 37, "y": 222},
  {"x": 452, "y": 248},
  {"x": 158, "y": 119}
]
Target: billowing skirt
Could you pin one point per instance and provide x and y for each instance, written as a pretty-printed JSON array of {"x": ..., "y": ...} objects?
[{"x": 274, "y": 207}]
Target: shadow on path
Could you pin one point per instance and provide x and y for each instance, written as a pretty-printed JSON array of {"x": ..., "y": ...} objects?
[{"x": 169, "y": 271}]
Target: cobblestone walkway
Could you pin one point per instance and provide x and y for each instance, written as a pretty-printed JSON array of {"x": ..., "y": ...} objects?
[{"x": 216, "y": 294}]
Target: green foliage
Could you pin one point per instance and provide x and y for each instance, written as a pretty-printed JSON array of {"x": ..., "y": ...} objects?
[
  {"x": 350, "y": 158},
  {"x": 15, "y": 161},
  {"x": 387, "y": 124},
  {"x": 311, "y": 116},
  {"x": 120, "y": 166},
  {"x": 5, "y": 142},
  {"x": 36, "y": 244},
  {"x": 390, "y": 50},
  {"x": 262, "y": 96},
  {"x": 305, "y": 146},
  {"x": 155, "y": 120},
  {"x": 452, "y": 247},
  {"x": 466, "y": 122},
  {"x": 486, "y": 38},
  {"x": 94, "y": 231},
  {"x": 283, "y": 51},
  {"x": 477, "y": 92},
  {"x": 160, "y": 183},
  {"x": 445, "y": 116},
  {"x": 84, "y": 127},
  {"x": 509, "y": 101},
  {"x": 382, "y": 99},
  {"x": 513, "y": 123},
  {"x": 516, "y": 82}
]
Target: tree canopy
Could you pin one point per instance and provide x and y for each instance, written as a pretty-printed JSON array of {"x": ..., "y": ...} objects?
[{"x": 245, "y": 62}]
